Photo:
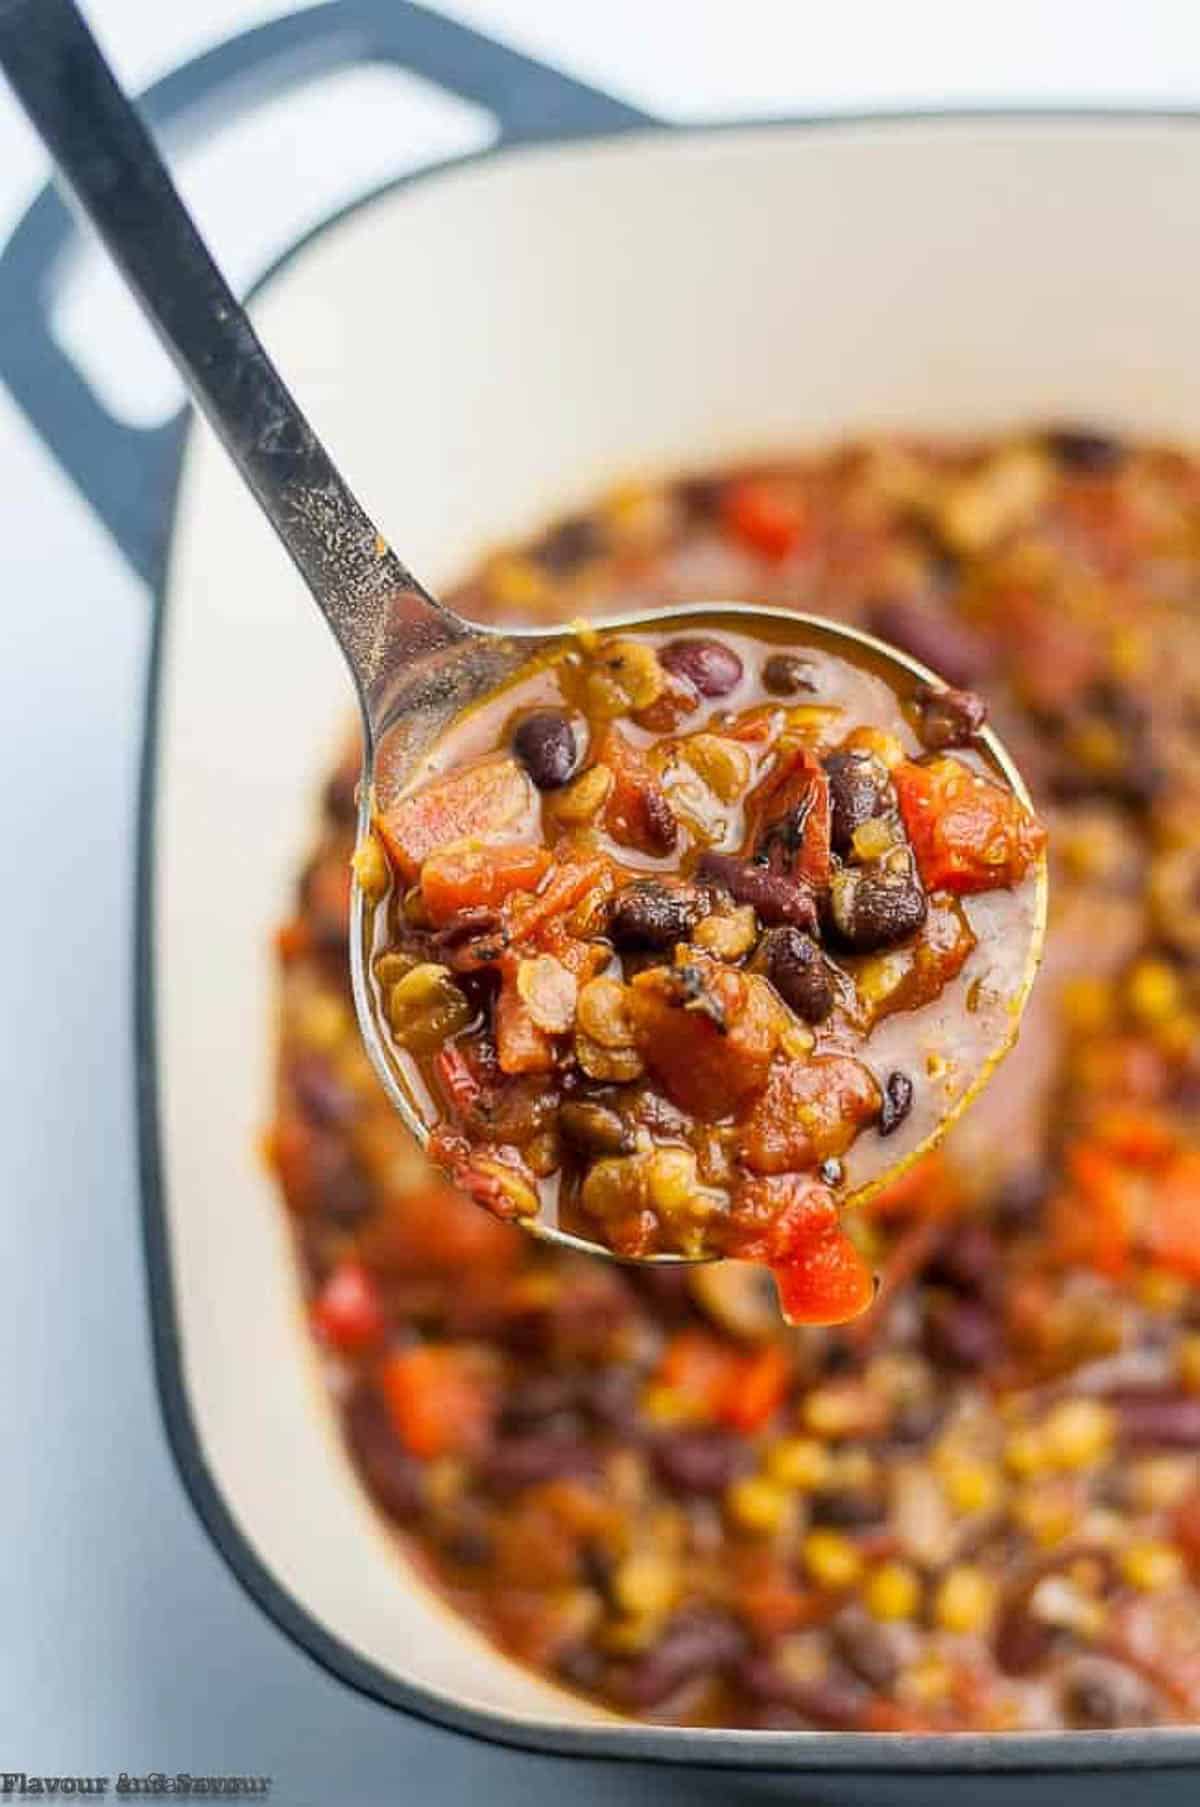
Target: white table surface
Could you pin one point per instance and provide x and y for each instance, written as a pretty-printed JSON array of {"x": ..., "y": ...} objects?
[{"x": 124, "y": 1641}]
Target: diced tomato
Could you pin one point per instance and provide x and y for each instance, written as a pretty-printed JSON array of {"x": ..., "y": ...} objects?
[
  {"x": 810, "y": 1112},
  {"x": 788, "y": 817},
  {"x": 827, "y": 1283},
  {"x": 479, "y": 801},
  {"x": 347, "y": 1313},
  {"x": 1091, "y": 1217},
  {"x": 762, "y": 516},
  {"x": 476, "y": 877},
  {"x": 773, "y": 1217},
  {"x": 1172, "y": 1229},
  {"x": 760, "y": 1389},
  {"x": 293, "y": 939},
  {"x": 710, "y": 1051},
  {"x": 968, "y": 834},
  {"x": 439, "y": 1400},
  {"x": 568, "y": 884},
  {"x": 739, "y": 1388},
  {"x": 700, "y": 1368},
  {"x": 636, "y": 813},
  {"x": 521, "y": 1046}
]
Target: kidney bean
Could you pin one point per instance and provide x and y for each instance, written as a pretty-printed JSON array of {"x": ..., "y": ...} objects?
[
  {"x": 535, "y": 1456},
  {"x": 701, "y": 1461},
  {"x": 1085, "y": 450},
  {"x": 800, "y": 974},
  {"x": 548, "y": 747},
  {"x": 700, "y": 1644},
  {"x": 710, "y": 666},
  {"x": 1156, "y": 1415},
  {"x": 391, "y": 1474},
  {"x": 786, "y": 674},
  {"x": 775, "y": 897},
  {"x": 858, "y": 790},
  {"x": 866, "y": 1647},
  {"x": 872, "y": 909},
  {"x": 650, "y": 917},
  {"x": 897, "y": 1102},
  {"x": 961, "y": 1333},
  {"x": 948, "y": 718},
  {"x": 934, "y": 637},
  {"x": 1020, "y": 1642}
]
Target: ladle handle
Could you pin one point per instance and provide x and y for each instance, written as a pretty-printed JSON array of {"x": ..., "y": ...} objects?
[{"x": 111, "y": 164}]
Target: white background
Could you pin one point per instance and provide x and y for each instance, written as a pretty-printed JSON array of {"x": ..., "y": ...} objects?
[{"x": 123, "y": 1640}]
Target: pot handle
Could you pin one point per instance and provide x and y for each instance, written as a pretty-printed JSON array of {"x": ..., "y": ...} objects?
[{"x": 127, "y": 473}]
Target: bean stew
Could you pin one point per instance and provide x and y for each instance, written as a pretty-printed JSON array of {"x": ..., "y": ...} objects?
[{"x": 976, "y": 1507}]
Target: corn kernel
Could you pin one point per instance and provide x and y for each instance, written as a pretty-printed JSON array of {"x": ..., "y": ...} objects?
[
  {"x": 928, "y": 1681},
  {"x": 1078, "y": 1433},
  {"x": 1151, "y": 1566},
  {"x": 1161, "y": 1292},
  {"x": 831, "y": 1559},
  {"x": 645, "y": 1585},
  {"x": 515, "y": 583},
  {"x": 1025, "y": 1452},
  {"x": 668, "y": 1405},
  {"x": 1187, "y": 1359},
  {"x": 581, "y": 800},
  {"x": 729, "y": 936},
  {"x": 759, "y": 1505},
  {"x": 841, "y": 1411},
  {"x": 671, "y": 1182},
  {"x": 893, "y": 1591},
  {"x": 800, "y": 1462},
  {"x": 1153, "y": 992},
  {"x": 1046, "y": 1512},
  {"x": 964, "y": 1600},
  {"x": 1161, "y": 1483},
  {"x": 885, "y": 746},
  {"x": 371, "y": 868},
  {"x": 721, "y": 764},
  {"x": 1086, "y": 1004},
  {"x": 972, "y": 1486}
]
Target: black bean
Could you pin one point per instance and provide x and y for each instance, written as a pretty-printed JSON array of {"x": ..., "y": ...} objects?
[
  {"x": 1097, "y": 1694},
  {"x": 594, "y": 1128},
  {"x": 391, "y": 1474},
  {"x": 948, "y": 718},
  {"x": 699, "y": 497},
  {"x": 897, "y": 1102},
  {"x": 775, "y": 897},
  {"x": 966, "y": 1259},
  {"x": 934, "y": 637},
  {"x": 800, "y": 973},
  {"x": 525, "y": 1460},
  {"x": 341, "y": 1186},
  {"x": 470, "y": 1545},
  {"x": 570, "y": 544},
  {"x": 548, "y": 747},
  {"x": 650, "y": 917},
  {"x": 341, "y": 796},
  {"x": 1160, "y": 1416},
  {"x": 700, "y": 1644},
  {"x": 858, "y": 790},
  {"x": 960, "y": 1333},
  {"x": 872, "y": 908},
  {"x": 830, "y": 1704},
  {"x": 866, "y": 1647},
  {"x": 709, "y": 666},
  {"x": 847, "y": 1507},
  {"x": 701, "y": 1461},
  {"x": 786, "y": 674},
  {"x": 323, "y": 1098},
  {"x": 1086, "y": 450}
]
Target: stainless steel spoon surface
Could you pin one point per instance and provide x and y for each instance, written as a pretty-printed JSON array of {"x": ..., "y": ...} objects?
[{"x": 415, "y": 664}]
